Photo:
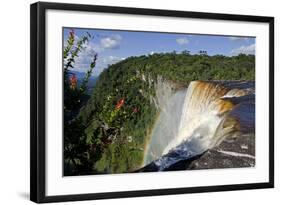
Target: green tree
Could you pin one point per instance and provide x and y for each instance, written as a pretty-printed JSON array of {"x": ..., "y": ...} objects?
[{"x": 76, "y": 149}]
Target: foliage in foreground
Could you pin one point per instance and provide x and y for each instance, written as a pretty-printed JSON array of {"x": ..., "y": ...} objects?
[{"x": 77, "y": 159}]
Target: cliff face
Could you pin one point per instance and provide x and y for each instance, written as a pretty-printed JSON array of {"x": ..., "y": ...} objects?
[{"x": 164, "y": 90}]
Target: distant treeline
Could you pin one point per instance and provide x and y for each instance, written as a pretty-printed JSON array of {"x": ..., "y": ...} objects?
[{"x": 186, "y": 67}]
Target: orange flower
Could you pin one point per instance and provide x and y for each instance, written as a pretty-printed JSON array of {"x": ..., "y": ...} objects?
[
  {"x": 73, "y": 81},
  {"x": 119, "y": 104}
]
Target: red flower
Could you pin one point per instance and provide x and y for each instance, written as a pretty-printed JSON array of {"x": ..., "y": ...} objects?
[
  {"x": 73, "y": 81},
  {"x": 119, "y": 104}
]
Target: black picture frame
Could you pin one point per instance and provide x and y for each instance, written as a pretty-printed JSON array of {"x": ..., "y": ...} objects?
[{"x": 38, "y": 101}]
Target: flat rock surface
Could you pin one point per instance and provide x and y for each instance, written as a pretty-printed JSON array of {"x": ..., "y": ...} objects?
[{"x": 231, "y": 153}]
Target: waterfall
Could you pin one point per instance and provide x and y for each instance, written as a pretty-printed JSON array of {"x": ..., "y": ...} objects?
[
  {"x": 166, "y": 126},
  {"x": 194, "y": 120}
]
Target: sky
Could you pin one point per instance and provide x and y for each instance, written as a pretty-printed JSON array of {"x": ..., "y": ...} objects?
[{"x": 113, "y": 46}]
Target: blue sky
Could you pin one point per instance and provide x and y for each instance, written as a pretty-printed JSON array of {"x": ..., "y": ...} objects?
[{"x": 113, "y": 46}]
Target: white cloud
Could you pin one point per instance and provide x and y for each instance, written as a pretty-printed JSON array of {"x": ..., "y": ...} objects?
[
  {"x": 90, "y": 48},
  {"x": 83, "y": 61},
  {"x": 108, "y": 60},
  {"x": 235, "y": 38},
  {"x": 85, "y": 57},
  {"x": 111, "y": 42},
  {"x": 182, "y": 41},
  {"x": 244, "y": 50},
  {"x": 104, "y": 61}
]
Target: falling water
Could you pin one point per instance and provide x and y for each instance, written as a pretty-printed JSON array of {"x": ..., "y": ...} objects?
[
  {"x": 166, "y": 126},
  {"x": 196, "y": 119}
]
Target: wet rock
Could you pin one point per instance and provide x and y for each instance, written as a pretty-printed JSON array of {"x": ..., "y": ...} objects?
[{"x": 231, "y": 153}]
